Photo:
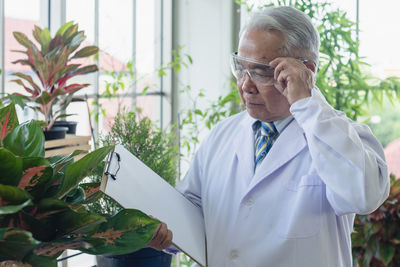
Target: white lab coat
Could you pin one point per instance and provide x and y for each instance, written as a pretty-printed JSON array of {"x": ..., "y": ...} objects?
[{"x": 298, "y": 208}]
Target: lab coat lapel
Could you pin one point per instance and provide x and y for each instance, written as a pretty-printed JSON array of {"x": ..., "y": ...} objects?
[
  {"x": 244, "y": 149},
  {"x": 289, "y": 143}
]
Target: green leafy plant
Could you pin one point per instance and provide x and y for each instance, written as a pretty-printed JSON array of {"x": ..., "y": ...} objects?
[
  {"x": 116, "y": 84},
  {"x": 376, "y": 237},
  {"x": 42, "y": 204},
  {"x": 155, "y": 147},
  {"x": 342, "y": 74},
  {"x": 53, "y": 65}
]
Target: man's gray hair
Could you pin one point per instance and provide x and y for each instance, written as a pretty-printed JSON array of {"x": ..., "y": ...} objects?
[{"x": 302, "y": 38}]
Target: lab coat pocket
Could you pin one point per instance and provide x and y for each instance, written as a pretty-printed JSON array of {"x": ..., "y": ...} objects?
[{"x": 301, "y": 217}]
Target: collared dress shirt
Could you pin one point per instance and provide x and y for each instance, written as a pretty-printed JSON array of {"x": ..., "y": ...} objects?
[
  {"x": 280, "y": 125},
  {"x": 297, "y": 209}
]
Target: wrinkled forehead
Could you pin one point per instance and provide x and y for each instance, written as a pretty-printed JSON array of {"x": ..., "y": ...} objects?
[{"x": 261, "y": 45}]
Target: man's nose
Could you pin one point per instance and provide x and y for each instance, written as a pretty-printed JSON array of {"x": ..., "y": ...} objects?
[{"x": 248, "y": 85}]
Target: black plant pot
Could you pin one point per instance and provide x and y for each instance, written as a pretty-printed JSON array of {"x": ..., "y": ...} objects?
[
  {"x": 145, "y": 257},
  {"x": 55, "y": 132},
  {"x": 71, "y": 125}
]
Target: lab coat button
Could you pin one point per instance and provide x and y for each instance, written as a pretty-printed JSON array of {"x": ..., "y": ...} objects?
[
  {"x": 234, "y": 254},
  {"x": 249, "y": 201}
]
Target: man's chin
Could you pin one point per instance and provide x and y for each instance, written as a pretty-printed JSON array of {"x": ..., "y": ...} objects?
[
  {"x": 256, "y": 115},
  {"x": 262, "y": 116}
]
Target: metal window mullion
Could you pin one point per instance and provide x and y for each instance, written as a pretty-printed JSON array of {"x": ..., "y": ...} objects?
[
  {"x": 133, "y": 86},
  {"x": 158, "y": 48},
  {"x": 44, "y": 18},
  {"x": 2, "y": 45},
  {"x": 162, "y": 62},
  {"x": 357, "y": 22},
  {"x": 163, "y": 32},
  {"x": 97, "y": 74},
  {"x": 57, "y": 15}
]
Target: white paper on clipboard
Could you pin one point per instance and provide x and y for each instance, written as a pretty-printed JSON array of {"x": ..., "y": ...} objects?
[{"x": 134, "y": 185}]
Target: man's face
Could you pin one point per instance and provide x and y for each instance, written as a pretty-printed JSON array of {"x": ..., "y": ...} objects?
[{"x": 262, "y": 102}]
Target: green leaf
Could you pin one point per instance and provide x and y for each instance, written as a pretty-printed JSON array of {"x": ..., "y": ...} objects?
[
  {"x": 41, "y": 261},
  {"x": 22, "y": 39},
  {"x": 44, "y": 98},
  {"x": 36, "y": 175},
  {"x": 26, "y": 140},
  {"x": 29, "y": 79},
  {"x": 78, "y": 170},
  {"x": 367, "y": 257},
  {"x": 10, "y": 168},
  {"x": 36, "y": 34},
  {"x": 15, "y": 243},
  {"x": 76, "y": 222},
  {"x": 86, "y": 52},
  {"x": 161, "y": 73},
  {"x": 357, "y": 239},
  {"x": 58, "y": 162},
  {"x": 91, "y": 190},
  {"x": 127, "y": 231},
  {"x": 10, "y": 209},
  {"x": 41, "y": 227},
  {"x": 64, "y": 27},
  {"x": 19, "y": 99},
  {"x": 54, "y": 249},
  {"x": 75, "y": 196},
  {"x": 387, "y": 251},
  {"x": 8, "y": 120},
  {"x": 13, "y": 195},
  {"x": 51, "y": 204},
  {"x": 45, "y": 40}
]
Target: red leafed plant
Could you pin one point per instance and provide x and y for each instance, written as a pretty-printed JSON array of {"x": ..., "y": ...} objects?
[
  {"x": 53, "y": 66},
  {"x": 376, "y": 237}
]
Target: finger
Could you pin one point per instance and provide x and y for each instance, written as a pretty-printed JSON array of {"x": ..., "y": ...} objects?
[
  {"x": 167, "y": 241},
  {"x": 282, "y": 80},
  {"x": 282, "y": 66},
  {"x": 162, "y": 233},
  {"x": 156, "y": 231},
  {"x": 154, "y": 242},
  {"x": 275, "y": 62}
]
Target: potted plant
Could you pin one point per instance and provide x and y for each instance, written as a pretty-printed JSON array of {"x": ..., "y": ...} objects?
[
  {"x": 42, "y": 204},
  {"x": 157, "y": 149},
  {"x": 53, "y": 63},
  {"x": 376, "y": 237}
]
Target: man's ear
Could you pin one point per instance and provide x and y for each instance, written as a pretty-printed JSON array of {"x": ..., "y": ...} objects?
[{"x": 310, "y": 65}]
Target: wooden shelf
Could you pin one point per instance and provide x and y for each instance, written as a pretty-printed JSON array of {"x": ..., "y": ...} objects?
[{"x": 67, "y": 145}]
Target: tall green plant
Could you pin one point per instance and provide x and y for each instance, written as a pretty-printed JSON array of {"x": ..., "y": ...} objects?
[
  {"x": 152, "y": 145},
  {"x": 155, "y": 147},
  {"x": 42, "y": 209},
  {"x": 342, "y": 74}
]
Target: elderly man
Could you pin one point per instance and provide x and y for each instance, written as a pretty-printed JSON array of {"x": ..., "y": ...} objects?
[{"x": 280, "y": 183}]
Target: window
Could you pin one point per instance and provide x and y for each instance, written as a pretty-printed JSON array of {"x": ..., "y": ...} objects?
[
  {"x": 21, "y": 20},
  {"x": 125, "y": 33}
]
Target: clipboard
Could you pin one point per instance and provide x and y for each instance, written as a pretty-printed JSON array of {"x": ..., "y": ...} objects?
[{"x": 132, "y": 184}]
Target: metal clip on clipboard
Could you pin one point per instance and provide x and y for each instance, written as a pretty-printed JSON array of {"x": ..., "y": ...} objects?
[{"x": 113, "y": 165}]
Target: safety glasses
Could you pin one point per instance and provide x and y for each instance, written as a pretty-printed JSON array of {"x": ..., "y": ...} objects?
[{"x": 259, "y": 72}]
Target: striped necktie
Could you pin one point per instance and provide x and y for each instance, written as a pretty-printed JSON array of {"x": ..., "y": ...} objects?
[{"x": 264, "y": 141}]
